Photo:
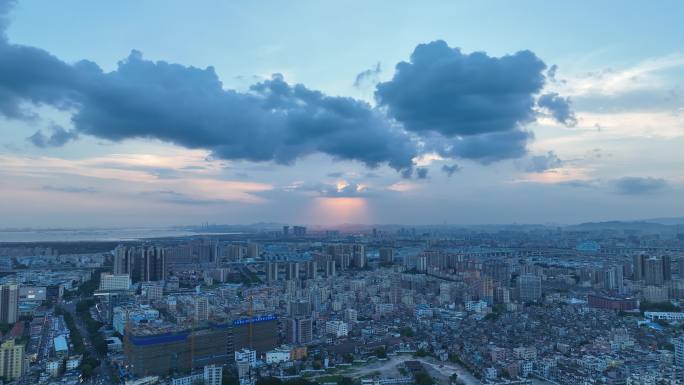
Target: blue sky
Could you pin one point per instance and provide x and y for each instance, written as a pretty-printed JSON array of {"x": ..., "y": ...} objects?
[{"x": 620, "y": 65}]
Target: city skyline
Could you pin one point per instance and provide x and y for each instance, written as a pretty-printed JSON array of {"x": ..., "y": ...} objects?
[{"x": 154, "y": 114}]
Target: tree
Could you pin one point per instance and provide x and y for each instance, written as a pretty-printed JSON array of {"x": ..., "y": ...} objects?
[
  {"x": 422, "y": 378},
  {"x": 229, "y": 379},
  {"x": 269, "y": 381}
]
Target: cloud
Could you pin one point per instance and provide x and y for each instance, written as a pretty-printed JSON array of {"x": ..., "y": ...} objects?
[
  {"x": 339, "y": 190},
  {"x": 559, "y": 107},
  {"x": 335, "y": 174},
  {"x": 469, "y": 106},
  {"x": 462, "y": 96},
  {"x": 551, "y": 73},
  {"x": 485, "y": 148},
  {"x": 274, "y": 121},
  {"x": 174, "y": 197},
  {"x": 456, "y": 94},
  {"x": 541, "y": 163},
  {"x": 58, "y": 138},
  {"x": 578, "y": 183},
  {"x": 369, "y": 76},
  {"x": 631, "y": 185},
  {"x": 421, "y": 172},
  {"x": 344, "y": 190},
  {"x": 5, "y": 7},
  {"x": 70, "y": 189},
  {"x": 451, "y": 169}
]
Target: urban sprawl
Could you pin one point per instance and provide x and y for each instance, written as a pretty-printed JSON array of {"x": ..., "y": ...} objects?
[{"x": 514, "y": 305}]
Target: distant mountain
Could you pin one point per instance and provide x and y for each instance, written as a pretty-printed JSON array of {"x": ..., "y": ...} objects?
[
  {"x": 670, "y": 221},
  {"x": 619, "y": 225}
]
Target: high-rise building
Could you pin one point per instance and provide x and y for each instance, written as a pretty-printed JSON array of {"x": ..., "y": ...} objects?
[
  {"x": 123, "y": 260},
  {"x": 337, "y": 328},
  {"x": 272, "y": 271},
  {"x": 667, "y": 268},
  {"x": 9, "y": 301},
  {"x": 299, "y": 330},
  {"x": 485, "y": 290},
  {"x": 502, "y": 295},
  {"x": 154, "y": 264},
  {"x": 11, "y": 360},
  {"x": 653, "y": 271},
  {"x": 286, "y": 231},
  {"x": 351, "y": 315},
  {"x": 679, "y": 350},
  {"x": 292, "y": 270},
  {"x": 330, "y": 268},
  {"x": 299, "y": 308},
  {"x": 638, "y": 267},
  {"x": 201, "y": 308},
  {"x": 157, "y": 354},
  {"x": 613, "y": 279},
  {"x": 386, "y": 256},
  {"x": 256, "y": 333},
  {"x": 114, "y": 282},
  {"x": 359, "y": 256},
  {"x": 299, "y": 231},
  {"x": 213, "y": 375},
  {"x": 529, "y": 288},
  {"x": 499, "y": 271},
  {"x": 253, "y": 250},
  {"x": 140, "y": 263},
  {"x": 311, "y": 269}
]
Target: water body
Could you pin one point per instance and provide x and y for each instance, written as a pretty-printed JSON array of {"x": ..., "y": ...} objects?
[{"x": 85, "y": 235}]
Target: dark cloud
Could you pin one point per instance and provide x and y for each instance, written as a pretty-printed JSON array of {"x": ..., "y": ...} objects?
[
  {"x": 188, "y": 106},
  {"x": 631, "y": 185},
  {"x": 5, "y": 7},
  {"x": 58, "y": 137},
  {"x": 418, "y": 172},
  {"x": 456, "y": 94},
  {"x": 70, "y": 189},
  {"x": 369, "y": 76},
  {"x": 421, "y": 172},
  {"x": 336, "y": 174},
  {"x": 578, "y": 183},
  {"x": 465, "y": 96},
  {"x": 469, "y": 105},
  {"x": 541, "y": 163},
  {"x": 485, "y": 148},
  {"x": 451, "y": 169},
  {"x": 559, "y": 107},
  {"x": 551, "y": 73}
]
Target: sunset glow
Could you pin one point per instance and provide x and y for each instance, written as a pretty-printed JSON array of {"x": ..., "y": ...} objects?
[{"x": 331, "y": 211}]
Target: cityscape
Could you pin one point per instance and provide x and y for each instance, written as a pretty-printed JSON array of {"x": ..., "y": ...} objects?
[
  {"x": 595, "y": 303},
  {"x": 311, "y": 192}
]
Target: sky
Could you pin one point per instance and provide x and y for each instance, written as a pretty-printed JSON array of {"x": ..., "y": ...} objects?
[{"x": 154, "y": 113}]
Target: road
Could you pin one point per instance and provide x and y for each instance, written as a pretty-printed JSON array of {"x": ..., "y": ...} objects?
[
  {"x": 441, "y": 371},
  {"x": 103, "y": 373}
]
